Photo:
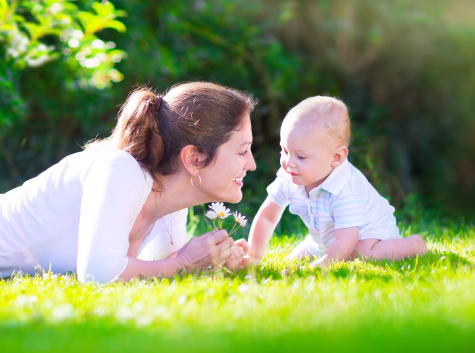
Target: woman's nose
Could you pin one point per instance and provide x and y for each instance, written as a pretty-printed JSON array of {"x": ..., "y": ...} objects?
[{"x": 251, "y": 163}]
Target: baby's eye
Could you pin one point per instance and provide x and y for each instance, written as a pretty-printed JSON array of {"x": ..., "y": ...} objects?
[
  {"x": 300, "y": 157},
  {"x": 283, "y": 152}
]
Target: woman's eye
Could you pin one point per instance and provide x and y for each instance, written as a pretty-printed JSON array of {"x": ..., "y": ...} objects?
[{"x": 244, "y": 153}]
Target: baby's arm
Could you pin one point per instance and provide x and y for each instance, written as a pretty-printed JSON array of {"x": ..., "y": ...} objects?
[
  {"x": 263, "y": 226},
  {"x": 342, "y": 248}
]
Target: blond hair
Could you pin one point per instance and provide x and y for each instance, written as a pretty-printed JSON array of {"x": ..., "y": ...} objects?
[{"x": 328, "y": 112}]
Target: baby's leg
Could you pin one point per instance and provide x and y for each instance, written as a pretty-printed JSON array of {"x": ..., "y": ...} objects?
[
  {"x": 392, "y": 249},
  {"x": 300, "y": 251}
]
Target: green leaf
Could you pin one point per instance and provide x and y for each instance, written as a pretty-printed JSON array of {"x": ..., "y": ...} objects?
[
  {"x": 120, "y": 13},
  {"x": 104, "y": 9},
  {"x": 117, "y": 25},
  {"x": 88, "y": 21},
  {"x": 35, "y": 31}
]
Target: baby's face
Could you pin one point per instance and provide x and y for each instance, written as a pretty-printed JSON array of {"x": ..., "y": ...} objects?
[{"x": 307, "y": 153}]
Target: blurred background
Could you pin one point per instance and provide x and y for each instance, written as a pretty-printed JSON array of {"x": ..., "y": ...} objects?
[{"x": 405, "y": 69}]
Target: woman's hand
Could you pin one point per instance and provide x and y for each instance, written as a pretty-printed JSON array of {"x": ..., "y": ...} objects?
[{"x": 210, "y": 249}]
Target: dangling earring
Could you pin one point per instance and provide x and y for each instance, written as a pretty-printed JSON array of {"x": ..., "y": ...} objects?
[{"x": 196, "y": 186}]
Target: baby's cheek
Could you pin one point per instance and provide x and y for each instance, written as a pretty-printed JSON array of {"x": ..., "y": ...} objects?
[{"x": 282, "y": 164}]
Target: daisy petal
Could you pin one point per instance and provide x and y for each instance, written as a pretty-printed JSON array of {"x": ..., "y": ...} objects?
[{"x": 211, "y": 215}]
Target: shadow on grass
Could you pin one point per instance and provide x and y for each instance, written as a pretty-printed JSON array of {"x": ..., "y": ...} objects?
[{"x": 409, "y": 335}]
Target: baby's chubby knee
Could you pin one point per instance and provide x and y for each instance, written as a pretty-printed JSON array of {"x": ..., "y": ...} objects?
[
  {"x": 420, "y": 245},
  {"x": 300, "y": 252}
]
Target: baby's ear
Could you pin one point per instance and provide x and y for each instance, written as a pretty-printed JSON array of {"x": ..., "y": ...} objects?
[{"x": 339, "y": 156}]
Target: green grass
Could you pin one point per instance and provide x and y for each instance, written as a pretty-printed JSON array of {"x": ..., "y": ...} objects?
[{"x": 419, "y": 304}]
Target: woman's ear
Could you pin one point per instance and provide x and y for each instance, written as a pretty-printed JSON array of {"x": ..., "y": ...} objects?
[
  {"x": 339, "y": 156},
  {"x": 192, "y": 159}
]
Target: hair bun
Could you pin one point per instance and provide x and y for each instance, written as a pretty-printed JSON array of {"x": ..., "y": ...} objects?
[{"x": 159, "y": 102}]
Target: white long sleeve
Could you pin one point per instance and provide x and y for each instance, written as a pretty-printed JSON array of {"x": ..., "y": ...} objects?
[
  {"x": 114, "y": 191},
  {"x": 75, "y": 216}
]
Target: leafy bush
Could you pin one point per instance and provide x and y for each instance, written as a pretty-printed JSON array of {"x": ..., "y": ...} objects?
[
  {"x": 403, "y": 68},
  {"x": 36, "y": 37}
]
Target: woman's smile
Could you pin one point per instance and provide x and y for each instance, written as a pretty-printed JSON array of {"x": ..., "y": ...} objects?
[{"x": 239, "y": 181}]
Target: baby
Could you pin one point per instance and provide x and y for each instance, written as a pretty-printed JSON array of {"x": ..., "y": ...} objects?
[{"x": 345, "y": 215}]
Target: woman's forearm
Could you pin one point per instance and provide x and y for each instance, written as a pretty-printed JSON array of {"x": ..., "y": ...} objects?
[
  {"x": 209, "y": 249},
  {"x": 159, "y": 268}
]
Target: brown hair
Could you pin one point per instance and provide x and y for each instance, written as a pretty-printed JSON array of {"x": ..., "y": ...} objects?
[{"x": 154, "y": 129}]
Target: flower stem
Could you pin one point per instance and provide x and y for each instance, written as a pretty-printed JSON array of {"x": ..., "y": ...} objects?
[{"x": 234, "y": 228}]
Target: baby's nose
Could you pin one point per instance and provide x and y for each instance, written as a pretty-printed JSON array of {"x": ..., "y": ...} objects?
[{"x": 290, "y": 163}]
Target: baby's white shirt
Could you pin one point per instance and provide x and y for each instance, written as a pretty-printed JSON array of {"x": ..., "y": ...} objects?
[{"x": 345, "y": 199}]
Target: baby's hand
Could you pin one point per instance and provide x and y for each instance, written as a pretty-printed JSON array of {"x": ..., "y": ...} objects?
[
  {"x": 243, "y": 244},
  {"x": 321, "y": 262},
  {"x": 235, "y": 260},
  {"x": 249, "y": 260}
]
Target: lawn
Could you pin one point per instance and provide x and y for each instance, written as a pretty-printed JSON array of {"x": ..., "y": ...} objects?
[{"x": 419, "y": 304}]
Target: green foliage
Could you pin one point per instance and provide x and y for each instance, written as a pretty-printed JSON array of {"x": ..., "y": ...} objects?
[
  {"x": 280, "y": 305},
  {"x": 404, "y": 68},
  {"x": 34, "y": 35},
  {"x": 36, "y": 32}
]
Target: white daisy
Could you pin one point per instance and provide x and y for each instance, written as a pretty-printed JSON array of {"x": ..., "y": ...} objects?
[
  {"x": 241, "y": 219},
  {"x": 221, "y": 210},
  {"x": 211, "y": 215}
]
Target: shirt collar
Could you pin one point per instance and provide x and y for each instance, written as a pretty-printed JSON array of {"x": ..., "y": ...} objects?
[
  {"x": 333, "y": 183},
  {"x": 337, "y": 178},
  {"x": 283, "y": 174}
]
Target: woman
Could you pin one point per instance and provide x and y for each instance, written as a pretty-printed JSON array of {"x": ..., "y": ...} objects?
[{"x": 96, "y": 210}]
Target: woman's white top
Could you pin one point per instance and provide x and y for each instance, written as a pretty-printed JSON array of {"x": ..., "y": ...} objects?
[{"x": 77, "y": 216}]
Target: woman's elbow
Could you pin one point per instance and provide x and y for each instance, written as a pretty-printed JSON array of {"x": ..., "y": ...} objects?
[{"x": 101, "y": 272}]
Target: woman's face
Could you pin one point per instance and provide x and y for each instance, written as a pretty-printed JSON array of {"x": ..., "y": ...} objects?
[{"x": 223, "y": 179}]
